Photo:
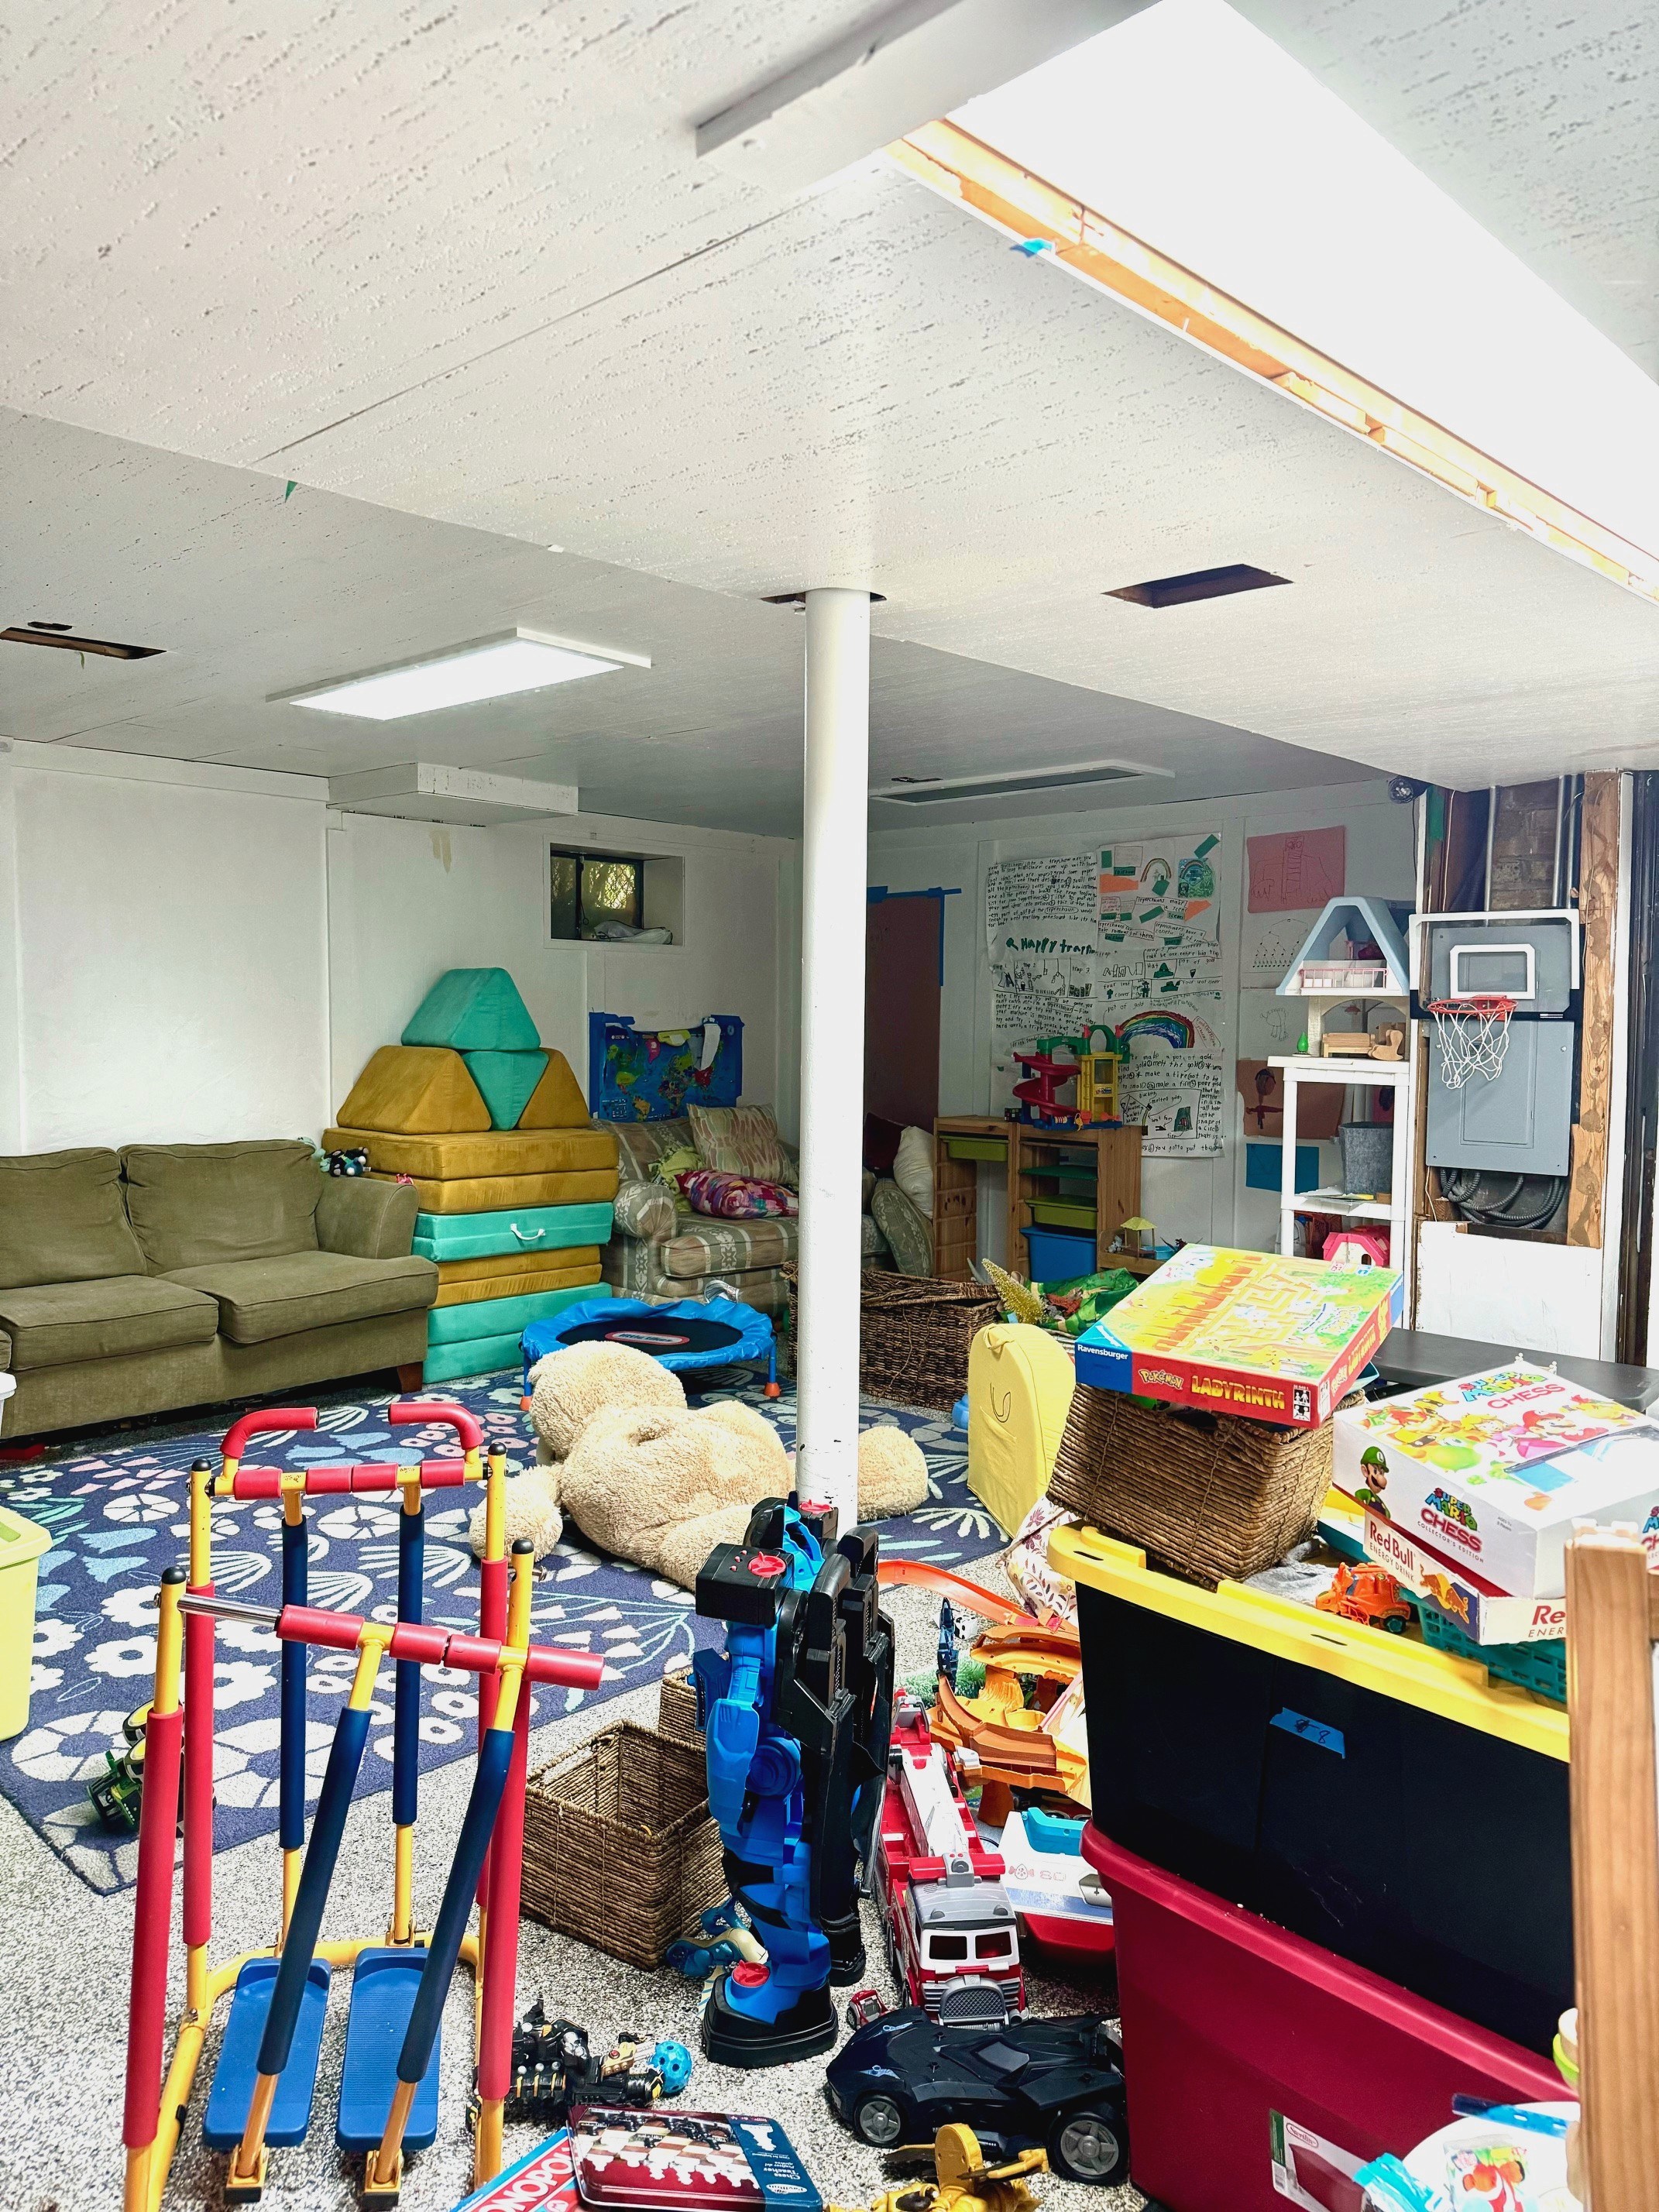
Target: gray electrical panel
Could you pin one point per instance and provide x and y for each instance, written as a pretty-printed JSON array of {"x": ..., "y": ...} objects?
[{"x": 1522, "y": 1124}]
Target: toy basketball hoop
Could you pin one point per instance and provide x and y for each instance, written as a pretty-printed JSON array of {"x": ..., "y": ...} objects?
[{"x": 1474, "y": 1035}]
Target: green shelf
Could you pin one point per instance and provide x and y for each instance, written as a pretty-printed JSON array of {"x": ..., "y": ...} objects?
[
  {"x": 976, "y": 1148},
  {"x": 1062, "y": 1214}
]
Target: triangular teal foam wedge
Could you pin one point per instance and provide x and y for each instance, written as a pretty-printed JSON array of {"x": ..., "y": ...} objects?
[
  {"x": 474, "y": 1010},
  {"x": 505, "y": 1081}
]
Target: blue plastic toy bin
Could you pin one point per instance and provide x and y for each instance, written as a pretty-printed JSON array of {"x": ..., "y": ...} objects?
[{"x": 1058, "y": 1255}]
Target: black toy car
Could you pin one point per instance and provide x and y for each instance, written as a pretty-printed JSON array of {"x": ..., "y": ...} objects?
[{"x": 1052, "y": 2083}]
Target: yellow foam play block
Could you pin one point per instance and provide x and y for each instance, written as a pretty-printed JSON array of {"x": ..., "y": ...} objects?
[
  {"x": 491, "y": 1152},
  {"x": 1020, "y": 1382},
  {"x": 557, "y": 1103},
  {"x": 517, "y": 1277},
  {"x": 495, "y": 1193},
  {"x": 414, "y": 1090}
]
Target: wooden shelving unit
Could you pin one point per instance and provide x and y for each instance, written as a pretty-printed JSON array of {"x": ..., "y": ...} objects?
[
  {"x": 956, "y": 1190},
  {"x": 1298, "y": 1070},
  {"x": 1027, "y": 1153}
]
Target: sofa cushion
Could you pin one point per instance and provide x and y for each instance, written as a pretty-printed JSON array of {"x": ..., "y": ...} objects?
[
  {"x": 712, "y": 1247},
  {"x": 557, "y": 1103},
  {"x": 740, "y": 1140},
  {"x": 192, "y": 1204},
  {"x": 62, "y": 1219},
  {"x": 641, "y": 1145},
  {"x": 258, "y": 1300},
  {"x": 410, "y": 1090},
  {"x": 52, "y": 1324},
  {"x": 500, "y": 1194}
]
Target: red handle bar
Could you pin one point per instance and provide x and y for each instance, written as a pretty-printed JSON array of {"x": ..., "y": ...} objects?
[
  {"x": 253, "y": 1425},
  {"x": 410, "y": 1412}
]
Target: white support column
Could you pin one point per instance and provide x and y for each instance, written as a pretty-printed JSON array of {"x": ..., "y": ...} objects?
[{"x": 834, "y": 871}]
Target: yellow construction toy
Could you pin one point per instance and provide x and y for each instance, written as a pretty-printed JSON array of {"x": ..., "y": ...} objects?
[{"x": 961, "y": 2182}]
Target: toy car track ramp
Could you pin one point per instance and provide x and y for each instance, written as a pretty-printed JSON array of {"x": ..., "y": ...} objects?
[
  {"x": 917, "y": 1574},
  {"x": 382, "y": 1997},
  {"x": 234, "y": 2077}
]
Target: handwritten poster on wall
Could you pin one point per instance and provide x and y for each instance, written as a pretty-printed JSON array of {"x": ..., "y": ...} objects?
[
  {"x": 1296, "y": 868},
  {"x": 1125, "y": 938}
]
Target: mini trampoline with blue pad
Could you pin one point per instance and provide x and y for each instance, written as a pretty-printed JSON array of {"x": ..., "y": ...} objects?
[{"x": 690, "y": 1335}]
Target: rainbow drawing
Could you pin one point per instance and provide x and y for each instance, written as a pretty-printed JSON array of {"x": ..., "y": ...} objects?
[{"x": 1177, "y": 1031}]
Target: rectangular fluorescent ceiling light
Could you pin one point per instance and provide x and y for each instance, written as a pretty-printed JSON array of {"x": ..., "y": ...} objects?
[
  {"x": 488, "y": 668},
  {"x": 1017, "y": 783},
  {"x": 1192, "y": 130}
]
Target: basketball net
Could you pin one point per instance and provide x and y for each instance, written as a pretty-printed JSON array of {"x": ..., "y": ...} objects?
[{"x": 1474, "y": 1036}]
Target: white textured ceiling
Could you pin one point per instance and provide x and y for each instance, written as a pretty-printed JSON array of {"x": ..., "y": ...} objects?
[
  {"x": 251, "y": 595},
  {"x": 1542, "y": 121},
  {"x": 468, "y": 266}
]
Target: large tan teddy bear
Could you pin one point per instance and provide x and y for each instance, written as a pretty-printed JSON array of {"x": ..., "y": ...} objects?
[{"x": 647, "y": 1478}]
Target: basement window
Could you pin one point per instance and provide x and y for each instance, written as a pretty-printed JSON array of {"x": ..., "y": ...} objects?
[{"x": 614, "y": 898}]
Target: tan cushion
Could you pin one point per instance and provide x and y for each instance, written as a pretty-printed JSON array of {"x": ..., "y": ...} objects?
[
  {"x": 57, "y": 1323},
  {"x": 737, "y": 1244},
  {"x": 496, "y": 1193},
  {"x": 191, "y": 1203},
  {"x": 741, "y": 1140},
  {"x": 557, "y": 1103},
  {"x": 495, "y": 1152},
  {"x": 258, "y": 1300},
  {"x": 517, "y": 1281},
  {"x": 414, "y": 1090},
  {"x": 532, "y": 1265},
  {"x": 62, "y": 1219}
]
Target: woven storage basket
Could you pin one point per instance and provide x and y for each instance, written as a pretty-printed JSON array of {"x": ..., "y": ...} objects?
[
  {"x": 677, "y": 1708},
  {"x": 618, "y": 1846},
  {"x": 1205, "y": 1495},
  {"x": 913, "y": 1335}
]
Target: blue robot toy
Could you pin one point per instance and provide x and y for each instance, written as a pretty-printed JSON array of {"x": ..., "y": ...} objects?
[{"x": 796, "y": 1712}]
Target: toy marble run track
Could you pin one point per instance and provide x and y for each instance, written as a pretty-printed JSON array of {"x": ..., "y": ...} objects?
[{"x": 262, "y": 2091}]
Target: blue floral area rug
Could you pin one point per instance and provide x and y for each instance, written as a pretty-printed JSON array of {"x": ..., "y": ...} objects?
[{"x": 118, "y": 1517}]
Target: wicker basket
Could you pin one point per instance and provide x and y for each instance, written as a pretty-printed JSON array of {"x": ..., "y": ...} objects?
[
  {"x": 913, "y": 1335},
  {"x": 677, "y": 1708},
  {"x": 1205, "y": 1495},
  {"x": 618, "y": 1846}
]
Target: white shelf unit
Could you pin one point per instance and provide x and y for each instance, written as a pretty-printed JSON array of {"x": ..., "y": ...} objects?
[{"x": 1297, "y": 1070}]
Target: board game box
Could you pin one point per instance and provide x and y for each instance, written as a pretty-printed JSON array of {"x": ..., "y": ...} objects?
[
  {"x": 1244, "y": 1332},
  {"x": 1492, "y": 1470},
  {"x": 544, "y": 2178},
  {"x": 663, "y": 2159}
]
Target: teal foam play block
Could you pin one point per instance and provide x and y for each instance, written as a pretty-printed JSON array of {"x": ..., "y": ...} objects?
[
  {"x": 490, "y": 1317},
  {"x": 474, "y": 1010},
  {"x": 527, "y": 1229},
  {"x": 474, "y": 1355},
  {"x": 505, "y": 1080}
]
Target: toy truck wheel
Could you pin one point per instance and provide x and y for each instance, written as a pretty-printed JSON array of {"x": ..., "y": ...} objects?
[
  {"x": 877, "y": 2120},
  {"x": 1394, "y": 1624},
  {"x": 1089, "y": 2146}
]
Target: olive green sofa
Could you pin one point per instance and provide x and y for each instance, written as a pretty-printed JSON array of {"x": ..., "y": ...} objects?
[{"x": 169, "y": 1275}]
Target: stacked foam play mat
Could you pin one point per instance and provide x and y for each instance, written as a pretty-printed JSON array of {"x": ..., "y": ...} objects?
[
  {"x": 1338, "y": 1849},
  {"x": 515, "y": 1183}
]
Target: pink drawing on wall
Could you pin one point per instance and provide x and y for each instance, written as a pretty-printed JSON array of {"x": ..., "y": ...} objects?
[{"x": 1297, "y": 868}]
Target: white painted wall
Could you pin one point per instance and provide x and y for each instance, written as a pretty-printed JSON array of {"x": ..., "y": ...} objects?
[
  {"x": 199, "y": 953},
  {"x": 1504, "y": 1290},
  {"x": 1200, "y": 1200},
  {"x": 409, "y": 899},
  {"x": 170, "y": 953}
]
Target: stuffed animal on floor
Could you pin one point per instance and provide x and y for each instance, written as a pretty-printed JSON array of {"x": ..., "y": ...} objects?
[{"x": 647, "y": 1478}]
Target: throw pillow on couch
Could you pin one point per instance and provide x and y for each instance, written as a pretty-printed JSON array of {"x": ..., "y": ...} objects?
[{"x": 734, "y": 1197}]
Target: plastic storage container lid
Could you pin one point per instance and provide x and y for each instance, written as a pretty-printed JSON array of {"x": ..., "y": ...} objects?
[
  {"x": 21, "y": 1539},
  {"x": 1435, "y": 1681}
]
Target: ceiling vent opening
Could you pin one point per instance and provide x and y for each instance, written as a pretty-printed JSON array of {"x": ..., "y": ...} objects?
[
  {"x": 55, "y": 633},
  {"x": 1017, "y": 783},
  {"x": 1201, "y": 584}
]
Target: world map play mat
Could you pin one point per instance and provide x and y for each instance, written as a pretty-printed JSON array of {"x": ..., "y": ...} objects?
[{"x": 118, "y": 1517}]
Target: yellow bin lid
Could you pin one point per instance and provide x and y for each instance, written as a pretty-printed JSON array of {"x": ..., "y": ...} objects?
[
  {"x": 1393, "y": 1666},
  {"x": 20, "y": 1541}
]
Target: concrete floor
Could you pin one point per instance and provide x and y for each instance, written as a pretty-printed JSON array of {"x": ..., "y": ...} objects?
[{"x": 64, "y": 1956}]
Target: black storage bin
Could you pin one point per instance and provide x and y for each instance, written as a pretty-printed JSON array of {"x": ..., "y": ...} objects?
[{"x": 1433, "y": 1851}]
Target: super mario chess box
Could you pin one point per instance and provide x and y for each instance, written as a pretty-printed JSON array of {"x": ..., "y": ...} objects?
[
  {"x": 1245, "y": 1333},
  {"x": 1491, "y": 1470}
]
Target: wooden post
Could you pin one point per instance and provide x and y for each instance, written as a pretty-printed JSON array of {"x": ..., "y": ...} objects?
[
  {"x": 1598, "y": 898},
  {"x": 1611, "y": 1620}
]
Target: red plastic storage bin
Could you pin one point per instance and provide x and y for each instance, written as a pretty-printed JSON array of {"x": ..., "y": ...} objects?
[{"x": 1243, "y": 2045}]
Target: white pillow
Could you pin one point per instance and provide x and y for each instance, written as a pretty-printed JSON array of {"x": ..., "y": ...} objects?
[{"x": 913, "y": 1169}]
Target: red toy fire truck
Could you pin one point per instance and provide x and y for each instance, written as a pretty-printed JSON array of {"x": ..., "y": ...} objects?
[{"x": 953, "y": 1943}]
